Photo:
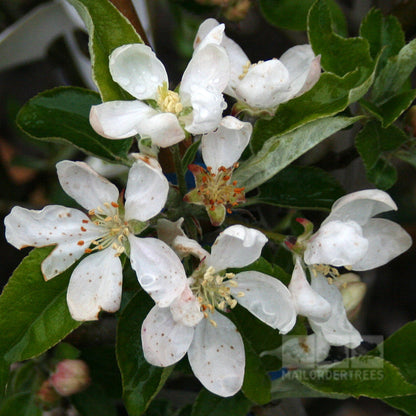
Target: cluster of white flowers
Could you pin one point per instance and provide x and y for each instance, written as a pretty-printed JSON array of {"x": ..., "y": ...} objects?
[{"x": 189, "y": 315}]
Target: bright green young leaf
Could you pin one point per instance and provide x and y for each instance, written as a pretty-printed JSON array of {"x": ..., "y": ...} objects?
[
  {"x": 38, "y": 310},
  {"x": 338, "y": 55},
  {"x": 63, "y": 114},
  {"x": 190, "y": 154},
  {"x": 292, "y": 15},
  {"x": 141, "y": 381},
  {"x": 384, "y": 34},
  {"x": 396, "y": 72},
  {"x": 208, "y": 404},
  {"x": 279, "y": 151},
  {"x": 256, "y": 385},
  {"x": 22, "y": 404},
  {"x": 301, "y": 187},
  {"x": 392, "y": 109},
  {"x": 108, "y": 29},
  {"x": 331, "y": 95},
  {"x": 375, "y": 144}
]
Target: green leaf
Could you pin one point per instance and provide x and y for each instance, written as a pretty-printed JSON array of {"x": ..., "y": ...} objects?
[
  {"x": 208, "y": 404},
  {"x": 94, "y": 401},
  {"x": 108, "y": 29},
  {"x": 4, "y": 376},
  {"x": 292, "y": 15},
  {"x": 63, "y": 114},
  {"x": 279, "y": 151},
  {"x": 256, "y": 385},
  {"x": 141, "y": 380},
  {"x": 190, "y": 154},
  {"x": 328, "y": 97},
  {"x": 392, "y": 109},
  {"x": 287, "y": 189},
  {"x": 21, "y": 404},
  {"x": 394, "y": 74},
  {"x": 355, "y": 51},
  {"x": 384, "y": 34},
  {"x": 375, "y": 144},
  {"x": 37, "y": 309}
]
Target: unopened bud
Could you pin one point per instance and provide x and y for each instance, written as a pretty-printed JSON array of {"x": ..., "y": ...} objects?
[
  {"x": 70, "y": 377},
  {"x": 47, "y": 395},
  {"x": 238, "y": 11},
  {"x": 353, "y": 291}
]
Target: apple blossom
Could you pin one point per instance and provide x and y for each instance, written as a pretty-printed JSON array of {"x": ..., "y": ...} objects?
[
  {"x": 193, "y": 323},
  {"x": 221, "y": 150},
  {"x": 158, "y": 112},
  {"x": 104, "y": 234},
  {"x": 266, "y": 84},
  {"x": 351, "y": 237}
]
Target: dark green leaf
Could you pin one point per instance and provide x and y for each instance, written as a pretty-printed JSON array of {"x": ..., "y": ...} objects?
[
  {"x": 108, "y": 29},
  {"x": 63, "y": 114},
  {"x": 64, "y": 351},
  {"x": 301, "y": 187},
  {"x": 391, "y": 110},
  {"x": 94, "y": 401},
  {"x": 384, "y": 34},
  {"x": 256, "y": 385},
  {"x": 141, "y": 381},
  {"x": 331, "y": 95},
  {"x": 22, "y": 378},
  {"x": 374, "y": 143},
  {"x": 208, "y": 404},
  {"x": 293, "y": 14},
  {"x": 279, "y": 151},
  {"x": 190, "y": 154},
  {"x": 4, "y": 376},
  {"x": 21, "y": 404},
  {"x": 355, "y": 51},
  {"x": 37, "y": 309},
  {"x": 395, "y": 73}
]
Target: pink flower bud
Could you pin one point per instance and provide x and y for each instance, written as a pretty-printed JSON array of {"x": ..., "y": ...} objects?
[
  {"x": 47, "y": 394},
  {"x": 70, "y": 377}
]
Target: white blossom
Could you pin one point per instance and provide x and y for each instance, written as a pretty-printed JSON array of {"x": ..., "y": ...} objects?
[
  {"x": 159, "y": 113},
  {"x": 104, "y": 234},
  {"x": 265, "y": 84},
  {"x": 351, "y": 237},
  {"x": 193, "y": 324}
]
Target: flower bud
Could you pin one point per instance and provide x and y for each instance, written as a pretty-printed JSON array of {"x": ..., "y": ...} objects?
[
  {"x": 47, "y": 394},
  {"x": 70, "y": 377},
  {"x": 238, "y": 11},
  {"x": 352, "y": 290}
]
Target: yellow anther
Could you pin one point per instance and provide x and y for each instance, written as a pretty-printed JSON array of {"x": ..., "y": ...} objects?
[
  {"x": 240, "y": 294},
  {"x": 213, "y": 323}
]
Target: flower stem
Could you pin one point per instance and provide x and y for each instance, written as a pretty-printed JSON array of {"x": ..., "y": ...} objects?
[{"x": 180, "y": 175}]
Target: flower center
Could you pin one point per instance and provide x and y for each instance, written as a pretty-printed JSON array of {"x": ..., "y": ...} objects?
[
  {"x": 213, "y": 290},
  {"x": 168, "y": 101},
  {"x": 328, "y": 271},
  {"x": 246, "y": 67},
  {"x": 217, "y": 189},
  {"x": 116, "y": 229}
]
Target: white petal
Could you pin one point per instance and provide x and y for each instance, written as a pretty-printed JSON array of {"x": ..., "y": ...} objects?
[
  {"x": 307, "y": 301},
  {"x": 236, "y": 246},
  {"x": 214, "y": 35},
  {"x": 304, "y": 351},
  {"x": 303, "y": 68},
  {"x": 146, "y": 191},
  {"x": 106, "y": 169},
  {"x": 158, "y": 269},
  {"x": 265, "y": 85},
  {"x": 337, "y": 330},
  {"x": 361, "y": 206},
  {"x": 224, "y": 146},
  {"x": 204, "y": 30},
  {"x": 85, "y": 185},
  {"x": 164, "y": 341},
  {"x": 337, "y": 243},
  {"x": 386, "y": 240},
  {"x": 266, "y": 298},
  {"x": 163, "y": 128},
  {"x": 137, "y": 70},
  {"x": 207, "y": 110},
  {"x": 54, "y": 224},
  {"x": 186, "y": 309},
  {"x": 95, "y": 285},
  {"x": 217, "y": 356},
  {"x": 120, "y": 119}
]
